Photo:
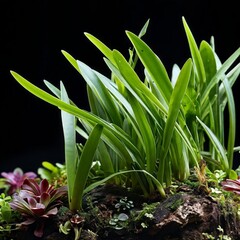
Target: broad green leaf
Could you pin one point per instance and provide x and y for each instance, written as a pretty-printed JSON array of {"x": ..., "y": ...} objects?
[
  {"x": 6, "y": 213},
  {"x": 210, "y": 67},
  {"x": 208, "y": 60},
  {"x": 233, "y": 175},
  {"x": 50, "y": 166}
]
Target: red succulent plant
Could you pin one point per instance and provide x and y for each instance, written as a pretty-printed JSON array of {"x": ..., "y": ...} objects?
[
  {"x": 231, "y": 185},
  {"x": 37, "y": 202},
  {"x": 15, "y": 179}
]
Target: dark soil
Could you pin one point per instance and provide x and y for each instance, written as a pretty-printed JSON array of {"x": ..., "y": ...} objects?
[{"x": 187, "y": 214}]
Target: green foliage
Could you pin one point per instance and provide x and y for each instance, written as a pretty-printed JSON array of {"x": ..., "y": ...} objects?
[
  {"x": 144, "y": 217},
  {"x": 7, "y": 217},
  {"x": 216, "y": 177},
  {"x": 221, "y": 236},
  {"x": 146, "y": 132},
  {"x": 124, "y": 204},
  {"x": 119, "y": 221},
  {"x": 56, "y": 175},
  {"x": 49, "y": 171},
  {"x": 5, "y": 209}
]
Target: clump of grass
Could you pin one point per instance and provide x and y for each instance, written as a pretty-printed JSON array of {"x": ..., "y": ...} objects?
[{"x": 145, "y": 132}]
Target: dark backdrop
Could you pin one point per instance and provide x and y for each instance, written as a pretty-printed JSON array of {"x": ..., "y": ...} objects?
[{"x": 33, "y": 33}]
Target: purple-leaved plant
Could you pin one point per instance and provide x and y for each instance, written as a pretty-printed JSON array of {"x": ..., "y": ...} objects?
[
  {"x": 37, "y": 202},
  {"x": 231, "y": 185},
  {"x": 15, "y": 179}
]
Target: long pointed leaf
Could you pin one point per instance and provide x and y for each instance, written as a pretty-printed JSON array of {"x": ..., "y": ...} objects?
[
  {"x": 101, "y": 93},
  {"x": 83, "y": 167},
  {"x": 68, "y": 123},
  {"x": 232, "y": 122},
  {"x": 153, "y": 65},
  {"x": 109, "y": 130},
  {"x": 195, "y": 54},
  {"x": 218, "y": 146},
  {"x": 220, "y": 74},
  {"x": 174, "y": 108}
]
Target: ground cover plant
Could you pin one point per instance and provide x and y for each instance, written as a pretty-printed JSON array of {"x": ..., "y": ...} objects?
[{"x": 143, "y": 136}]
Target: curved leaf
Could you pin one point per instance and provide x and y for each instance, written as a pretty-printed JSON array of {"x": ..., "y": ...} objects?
[{"x": 153, "y": 65}]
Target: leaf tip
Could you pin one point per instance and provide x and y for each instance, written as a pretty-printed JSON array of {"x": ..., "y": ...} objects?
[
  {"x": 13, "y": 73},
  {"x": 88, "y": 35}
]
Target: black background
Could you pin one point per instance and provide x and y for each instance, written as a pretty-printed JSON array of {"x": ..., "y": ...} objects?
[{"x": 33, "y": 33}]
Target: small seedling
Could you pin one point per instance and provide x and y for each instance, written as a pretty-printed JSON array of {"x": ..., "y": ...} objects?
[
  {"x": 124, "y": 204},
  {"x": 119, "y": 221}
]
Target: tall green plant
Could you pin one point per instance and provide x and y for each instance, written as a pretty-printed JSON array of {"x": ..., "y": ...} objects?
[
  {"x": 78, "y": 163},
  {"x": 151, "y": 130}
]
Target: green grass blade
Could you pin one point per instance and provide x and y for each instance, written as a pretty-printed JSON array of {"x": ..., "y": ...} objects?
[
  {"x": 102, "y": 94},
  {"x": 83, "y": 167},
  {"x": 232, "y": 76},
  {"x": 106, "y": 50},
  {"x": 208, "y": 59},
  {"x": 153, "y": 65},
  {"x": 179, "y": 153},
  {"x": 69, "y": 133},
  {"x": 110, "y": 130},
  {"x": 101, "y": 46},
  {"x": 217, "y": 145},
  {"x": 219, "y": 74},
  {"x": 197, "y": 60},
  {"x": 132, "y": 82},
  {"x": 53, "y": 89},
  {"x": 232, "y": 122},
  {"x": 107, "y": 165},
  {"x": 156, "y": 182},
  {"x": 210, "y": 67},
  {"x": 105, "y": 159},
  {"x": 147, "y": 134},
  {"x": 144, "y": 29},
  {"x": 174, "y": 108},
  {"x": 71, "y": 59},
  {"x": 146, "y": 97}
]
